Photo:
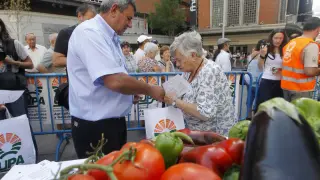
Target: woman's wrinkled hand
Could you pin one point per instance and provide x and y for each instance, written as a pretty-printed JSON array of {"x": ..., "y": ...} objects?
[
  {"x": 136, "y": 99},
  {"x": 169, "y": 98}
]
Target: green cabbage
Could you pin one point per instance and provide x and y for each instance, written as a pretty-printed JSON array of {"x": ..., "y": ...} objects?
[{"x": 240, "y": 130}]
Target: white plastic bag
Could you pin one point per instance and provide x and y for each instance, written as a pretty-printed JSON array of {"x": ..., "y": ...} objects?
[
  {"x": 161, "y": 120},
  {"x": 16, "y": 145}
]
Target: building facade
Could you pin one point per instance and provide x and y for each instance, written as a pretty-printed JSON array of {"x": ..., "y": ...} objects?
[
  {"x": 247, "y": 21},
  {"x": 50, "y": 16}
]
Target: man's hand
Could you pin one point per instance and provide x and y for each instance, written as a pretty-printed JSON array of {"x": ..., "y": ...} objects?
[
  {"x": 264, "y": 51},
  {"x": 10, "y": 61},
  {"x": 157, "y": 93}
]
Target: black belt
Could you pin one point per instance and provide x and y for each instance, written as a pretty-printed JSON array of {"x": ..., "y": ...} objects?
[{"x": 119, "y": 118}]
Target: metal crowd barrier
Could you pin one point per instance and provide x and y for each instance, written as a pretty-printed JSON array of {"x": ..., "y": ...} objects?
[{"x": 44, "y": 113}]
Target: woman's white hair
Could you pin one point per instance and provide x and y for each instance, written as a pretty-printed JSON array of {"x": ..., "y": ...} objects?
[
  {"x": 187, "y": 43},
  {"x": 150, "y": 47}
]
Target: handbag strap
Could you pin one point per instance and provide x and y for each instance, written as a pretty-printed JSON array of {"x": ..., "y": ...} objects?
[{"x": 252, "y": 59}]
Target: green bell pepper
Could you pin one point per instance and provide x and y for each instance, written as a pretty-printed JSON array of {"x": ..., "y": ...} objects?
[
  {"x": 171, "y": 145},
  {"x": 310, "y": 110}
]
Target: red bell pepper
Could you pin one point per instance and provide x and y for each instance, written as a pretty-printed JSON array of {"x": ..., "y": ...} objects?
[
  {"x": 219, "y": 157},
  {"x": 202, "y": 137}
]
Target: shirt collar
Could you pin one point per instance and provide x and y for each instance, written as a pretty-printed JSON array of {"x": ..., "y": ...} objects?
[
  {"x": 107, "y": 29},
  {"x": 35, "y": 47}
]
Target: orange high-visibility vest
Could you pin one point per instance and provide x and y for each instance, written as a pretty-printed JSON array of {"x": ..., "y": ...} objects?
[{"x": 293, "y": 76}]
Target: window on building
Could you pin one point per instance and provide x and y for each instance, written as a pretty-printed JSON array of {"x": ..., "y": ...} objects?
[
  {"x": 217, "y": 13},
  {"x": 283, "y": 10},
  {"x": 250, "y": 11},
  {"x": 233, "y": 12}
]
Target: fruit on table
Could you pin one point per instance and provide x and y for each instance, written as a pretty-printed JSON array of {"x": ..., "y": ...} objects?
[
  {"x": 202, "y": 137},
  {"x": 240, "y": 130},
  {"x": 234, "y": 148},
  {"x": 310, "y": 110},
  {"x": 189, "y": 171},
  {"x": 233, "y": 173},
  {"x": 218, "y": 157},
  {"x": 170, "y": 145},
  {"x": 147, "y": 163},
  {"x": 280, "y": 145},
  {"x": 81, "y": 177}
]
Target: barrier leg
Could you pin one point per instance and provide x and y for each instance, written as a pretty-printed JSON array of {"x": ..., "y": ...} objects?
[{"x": 61, "y": 139}]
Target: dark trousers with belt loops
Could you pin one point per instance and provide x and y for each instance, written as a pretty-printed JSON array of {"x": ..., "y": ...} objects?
[{"x": 85, "y": 132}]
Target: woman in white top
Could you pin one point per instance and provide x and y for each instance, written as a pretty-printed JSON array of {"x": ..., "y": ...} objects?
[
  {"x": 270, "y": 61},
  {"x": 221, "y": 55}
]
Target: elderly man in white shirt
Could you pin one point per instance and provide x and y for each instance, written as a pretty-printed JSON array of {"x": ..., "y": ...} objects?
[
  {"x": 100, "y": 89},
  {"x": 35, "y": 51},
  {"x": 222, "y": 56}
]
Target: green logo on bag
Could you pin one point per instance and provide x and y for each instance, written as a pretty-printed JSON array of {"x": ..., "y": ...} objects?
[
  {"x": 164, "y": 125},
  {"x": 10, "y": 144}
]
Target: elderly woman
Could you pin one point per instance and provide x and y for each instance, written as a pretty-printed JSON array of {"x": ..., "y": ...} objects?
[
  {"x": 165, "y": 63},
  {"x": 149, "y": 63},
  {"x": 208, "y": 105}
]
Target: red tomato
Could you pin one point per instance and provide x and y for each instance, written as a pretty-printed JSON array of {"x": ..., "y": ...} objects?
[
  {"x": 211, "y": 156},
  {"x": 189, "y": 171},
  {"x": 81, "y": 177},
  {"x": 105, "y": 160},
  {"x": 234, "y": 148},
  {"x": 148, "y": 164}
]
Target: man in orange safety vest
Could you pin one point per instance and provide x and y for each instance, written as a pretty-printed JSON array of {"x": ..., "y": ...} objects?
[{"x": 300, "y": 63}]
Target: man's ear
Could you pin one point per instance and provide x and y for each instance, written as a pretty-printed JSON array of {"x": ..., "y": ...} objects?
[{"x": 113, "y": 9}]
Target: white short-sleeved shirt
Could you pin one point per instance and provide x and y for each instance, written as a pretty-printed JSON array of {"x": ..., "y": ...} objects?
[
  {"x": 94, "y": 51},
  {"x": 138, "y": 55},
  {"x": 36, "y": 56},
  {"x": 270, "y": 63},
  {"x": 223, "y": 60}
]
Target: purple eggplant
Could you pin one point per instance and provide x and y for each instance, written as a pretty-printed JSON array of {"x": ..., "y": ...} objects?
[{"x": 280, "y": 146}]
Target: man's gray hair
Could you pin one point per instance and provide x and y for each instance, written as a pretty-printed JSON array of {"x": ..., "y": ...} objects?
[
  {"x": 53, "y": 36},
  {"x": 123, "y": 4},
  {"x": 187, "y": 43},
  {"x": 29, "y": 34},
  {"x": 84, "y": 8},
  {"x": 150, "y": 47}
]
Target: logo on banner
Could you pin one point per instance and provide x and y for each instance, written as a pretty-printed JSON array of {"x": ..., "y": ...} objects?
[
  {"x": 10, "y": 144},
  {"x": 164, "y": 126},
  {"x": 35, "y": 89}
]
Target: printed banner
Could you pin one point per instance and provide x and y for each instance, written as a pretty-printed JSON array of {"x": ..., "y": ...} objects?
[
  {"x": 234, "y": 81},
  {"x": 147, "y": 102},
  {"x": 16, "y": 145},
  {"x": 45, "y": 100}
]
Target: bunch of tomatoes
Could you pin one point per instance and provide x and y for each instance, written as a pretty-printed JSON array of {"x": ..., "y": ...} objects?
[{"x": 142, "y": 161}]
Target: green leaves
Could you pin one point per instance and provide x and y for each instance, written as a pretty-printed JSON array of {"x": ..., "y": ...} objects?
[{"x": 169, "y": 16}]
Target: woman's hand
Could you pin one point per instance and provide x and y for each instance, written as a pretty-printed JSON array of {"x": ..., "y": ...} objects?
[
  {"x": 136, "y": 99},
  {"x": 263, "y": 51},
  {"x": 169, "y": 98}
]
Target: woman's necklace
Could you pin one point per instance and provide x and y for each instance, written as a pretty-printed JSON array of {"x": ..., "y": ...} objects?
[{"x": 195, "y": 73}]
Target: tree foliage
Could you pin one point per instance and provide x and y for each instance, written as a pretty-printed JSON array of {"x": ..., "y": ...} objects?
[
  {"x": 169, "y": 17},
  {"x": 16, "y": 11}
]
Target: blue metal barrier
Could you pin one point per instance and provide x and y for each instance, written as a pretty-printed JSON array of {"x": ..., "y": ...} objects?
[{"x": 153, "y": 78}]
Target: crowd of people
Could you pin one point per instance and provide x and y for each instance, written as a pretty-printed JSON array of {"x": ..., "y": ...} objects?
[{"x": 101, "y": 92}]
